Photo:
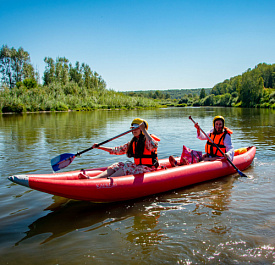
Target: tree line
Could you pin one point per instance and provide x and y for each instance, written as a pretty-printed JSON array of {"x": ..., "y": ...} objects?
[
  {"x": 169, "y": 93},
  {"x": 253, "y": 88},
  {"x": 78, "y": 87},
  {"x": 15, "y": 67},
  {"x": 65, "y": 87},
  {"x": 62, "y": 71}
]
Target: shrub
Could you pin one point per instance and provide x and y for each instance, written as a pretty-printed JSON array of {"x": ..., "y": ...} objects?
[
  {"x": 60, "y": 106},
  {"x": 13, "y": 107},
  {"x": 30, "y": 83},
  {"x": 71, "y": 88},
  {"x": 272, "y": 95}
]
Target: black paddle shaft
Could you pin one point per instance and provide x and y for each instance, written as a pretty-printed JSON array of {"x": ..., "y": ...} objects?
[{"x": 104, "y": 142}]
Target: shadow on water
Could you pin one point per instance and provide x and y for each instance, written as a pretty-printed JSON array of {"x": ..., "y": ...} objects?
[
  {"x": 75, "y": 215},
  {"x": 206, "y": 199}
]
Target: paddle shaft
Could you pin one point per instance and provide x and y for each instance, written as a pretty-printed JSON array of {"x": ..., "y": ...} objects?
[
  {"x": 104, "y": 142},
  {"x": 66, "y": 159},
  {"x": 241, "y": 173}
]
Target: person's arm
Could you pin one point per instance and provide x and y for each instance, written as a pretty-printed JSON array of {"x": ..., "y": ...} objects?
[
  {"x": 150, "y": 142},
  {"x": 198, "y": 129},
  {"x": 119, "y": 150},
  {"x": 107, "y": 149},
  {"x": 200, "y": 135},
  {"x": 229, "y": 147}
]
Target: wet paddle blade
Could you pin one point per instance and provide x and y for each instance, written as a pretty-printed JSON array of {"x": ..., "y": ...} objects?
[
  {"x": 62, "y": 161},
  {"x": 241, "y": 173}
]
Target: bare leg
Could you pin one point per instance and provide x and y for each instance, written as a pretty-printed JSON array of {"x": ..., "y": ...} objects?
[
  {"x": 118, "y": 173},
  {"x": 109, "y": 173},
  {"x": 104, "y": 174}
]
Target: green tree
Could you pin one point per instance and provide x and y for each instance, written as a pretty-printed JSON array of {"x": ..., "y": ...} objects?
[
  {"x": 30, "y": 83},
  {"x": 15, "y": 65},
  {"x": 183, "y": 100},
  {"x": 75, "y": 74},
  {"x": 30, "y": 73},
  {"x": 225, "y": 100},
  {"x": 6, "y": 65},
  {"x": 62, "y": 70},
  {"x": 88, "y": 79},
  {"x": 202, "y": 93},
  {"x": 208, "y": 100},
  {"x": 236, "y": 83},
  {"x": 21, "y": 59},
  {"x": 252, "y": 88},
  {"x": 49, "y": 73}
]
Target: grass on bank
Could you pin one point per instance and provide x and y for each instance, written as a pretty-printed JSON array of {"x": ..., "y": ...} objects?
[{"x": 57, "y": 97}]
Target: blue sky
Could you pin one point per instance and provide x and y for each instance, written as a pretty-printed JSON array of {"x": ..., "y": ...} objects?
[{"x": 143, "y": 45}]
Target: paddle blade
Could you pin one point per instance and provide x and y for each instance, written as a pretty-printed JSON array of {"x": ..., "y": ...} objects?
[
  {"x": 62, "y": 161},
  {"x": 241, "y": 173}
]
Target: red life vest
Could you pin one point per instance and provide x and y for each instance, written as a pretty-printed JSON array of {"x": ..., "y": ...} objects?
[
  {"x": 218, "y": 139},
  {"x": 148, "y": 158}
]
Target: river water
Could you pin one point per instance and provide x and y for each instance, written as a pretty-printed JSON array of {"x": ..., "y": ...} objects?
[{"x": 230, "y": 220}]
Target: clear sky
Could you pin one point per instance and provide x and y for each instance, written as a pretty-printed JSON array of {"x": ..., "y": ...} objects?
[{"x": 145, "y": 44}]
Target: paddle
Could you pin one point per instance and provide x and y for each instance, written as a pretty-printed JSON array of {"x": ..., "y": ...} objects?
[
  {"x": 240, "y": 173},
  {"x": 66, "y": 159}
]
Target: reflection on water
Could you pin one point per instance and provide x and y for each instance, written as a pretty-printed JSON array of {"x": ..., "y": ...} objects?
[
  {"x": 212, "y": 201},
  {"x": 228, "y": 220}
]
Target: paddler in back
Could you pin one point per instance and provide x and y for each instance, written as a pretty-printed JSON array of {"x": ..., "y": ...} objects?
[{"x": 221, "y": 136}]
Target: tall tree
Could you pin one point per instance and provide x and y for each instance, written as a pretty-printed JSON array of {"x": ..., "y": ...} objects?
[
  {"x": 20, "y": 59},
  {"x": 15, "y": 65},
  {"x": 252, "y": 88},
  {"x": 49, "y": 73},
  {"x": 202, "y": 93},
  {"x": 6, "y": 65},
  {"x": 62, "y": 70},
  {"x": 87, "y": 76},
  {"x": 75, "y": 74}
]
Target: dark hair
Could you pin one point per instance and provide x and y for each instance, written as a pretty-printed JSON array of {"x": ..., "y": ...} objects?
[{"x": 140, "y": 144}]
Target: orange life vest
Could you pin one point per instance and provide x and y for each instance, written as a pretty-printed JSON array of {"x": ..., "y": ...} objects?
[
  {"x": 218, "y": 139},
  {"x": 148, "y": 158}
]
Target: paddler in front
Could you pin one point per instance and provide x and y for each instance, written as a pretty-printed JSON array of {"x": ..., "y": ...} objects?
[
  {"x": 221, "y": 136},
  {"x": 142, "y": 147}
]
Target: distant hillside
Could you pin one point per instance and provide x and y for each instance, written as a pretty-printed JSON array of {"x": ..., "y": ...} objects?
[{"x": 173, "y": 93}]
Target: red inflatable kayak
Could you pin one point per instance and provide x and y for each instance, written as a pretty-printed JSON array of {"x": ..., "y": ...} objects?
[{"x": 72, "y": 185}]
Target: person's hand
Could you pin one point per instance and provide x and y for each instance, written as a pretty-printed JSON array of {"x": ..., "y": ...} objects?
[
  {"x": 142, "y": 126},
  {"x": 197, "y": 126},
  {"x": 226, "y": 156},
  {"x": 95, "y": 146}
]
